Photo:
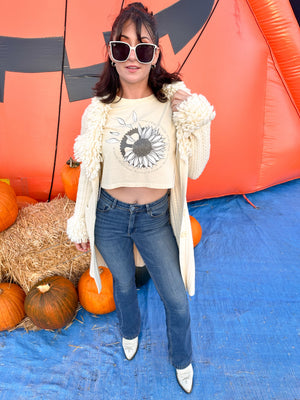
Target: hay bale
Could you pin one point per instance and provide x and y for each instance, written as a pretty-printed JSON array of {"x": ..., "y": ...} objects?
[{"x": 36, "y": 246}]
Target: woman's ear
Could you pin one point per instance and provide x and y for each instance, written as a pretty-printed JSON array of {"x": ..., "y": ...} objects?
[
  {"x": 109, "y": 53},
  {"x": 154, "y": 61}
]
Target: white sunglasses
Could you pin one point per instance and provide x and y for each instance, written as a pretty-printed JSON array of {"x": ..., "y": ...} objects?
[{"x": 144, "y": 52}]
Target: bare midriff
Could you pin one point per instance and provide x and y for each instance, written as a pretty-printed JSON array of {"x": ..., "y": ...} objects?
[{"x": 136, "y": 195}]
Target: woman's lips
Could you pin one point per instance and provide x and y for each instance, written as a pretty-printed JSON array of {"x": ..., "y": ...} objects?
[{"x": 132, "y": 67}]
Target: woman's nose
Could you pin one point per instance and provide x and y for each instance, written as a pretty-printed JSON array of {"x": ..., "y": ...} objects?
[{"x": 132, "y": 55}]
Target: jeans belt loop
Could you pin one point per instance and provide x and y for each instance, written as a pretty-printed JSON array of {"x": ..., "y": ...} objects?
[{"x": 114, "y": 204}]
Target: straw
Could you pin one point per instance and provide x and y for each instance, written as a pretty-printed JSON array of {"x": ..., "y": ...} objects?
[{"x": 36, "y": 246}]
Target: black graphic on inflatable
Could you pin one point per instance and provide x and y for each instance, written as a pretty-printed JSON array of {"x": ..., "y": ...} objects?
[{"x": 180, "y": 21}]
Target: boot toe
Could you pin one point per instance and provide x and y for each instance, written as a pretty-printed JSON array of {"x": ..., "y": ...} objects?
[
  {"x": 185, "y": 378},
  {"x": 130, "y": 347}
]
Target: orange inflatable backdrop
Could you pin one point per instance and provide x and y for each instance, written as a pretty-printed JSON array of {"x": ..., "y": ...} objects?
[{"x": 243, "y": 55}]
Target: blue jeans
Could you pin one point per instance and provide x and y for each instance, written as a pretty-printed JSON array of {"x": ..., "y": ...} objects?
[{"x": 118, "y": 226}]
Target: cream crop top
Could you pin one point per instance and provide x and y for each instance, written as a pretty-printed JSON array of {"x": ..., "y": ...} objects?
[{"x": 139, "y": 145}]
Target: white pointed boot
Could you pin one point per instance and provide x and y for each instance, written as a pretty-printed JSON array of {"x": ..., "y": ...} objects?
[
  {"x": 130, "y": 347},
  {"x": 185, "y": 378}
]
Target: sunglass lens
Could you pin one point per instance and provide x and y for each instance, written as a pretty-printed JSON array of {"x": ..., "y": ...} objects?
[
  {"x": 120, "y": 51},
  {"x": 144, "y": 52}
]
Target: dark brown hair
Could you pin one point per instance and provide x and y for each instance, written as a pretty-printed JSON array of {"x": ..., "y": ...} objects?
[{"x": 109, "y": 84}]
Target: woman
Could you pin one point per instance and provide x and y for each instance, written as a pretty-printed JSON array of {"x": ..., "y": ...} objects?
[{"x": 142, "y": 136}]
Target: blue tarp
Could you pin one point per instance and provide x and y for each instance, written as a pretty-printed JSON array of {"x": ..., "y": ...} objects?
[{"x": 245, "y": 320}]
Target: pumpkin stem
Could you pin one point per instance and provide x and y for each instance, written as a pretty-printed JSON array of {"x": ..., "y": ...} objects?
[
  {"x": 72, "y": 163},
  {"x": 44, "y": 288},
  {"x": 100, "y": 270}
]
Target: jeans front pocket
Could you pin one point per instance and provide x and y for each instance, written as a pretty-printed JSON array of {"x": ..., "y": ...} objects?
[
  {"x": 103, "y": 205},
  {"x": 158, "y": 210}
]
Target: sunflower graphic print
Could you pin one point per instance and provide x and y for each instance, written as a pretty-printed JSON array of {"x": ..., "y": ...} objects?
[{"x": 139, "y": 145}]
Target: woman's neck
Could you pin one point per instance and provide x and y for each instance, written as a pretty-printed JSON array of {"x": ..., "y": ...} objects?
[{"x": 135, "y": 92}]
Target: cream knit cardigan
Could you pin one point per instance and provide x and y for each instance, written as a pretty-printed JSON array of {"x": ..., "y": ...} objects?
[{"x": 192, "y": 122}]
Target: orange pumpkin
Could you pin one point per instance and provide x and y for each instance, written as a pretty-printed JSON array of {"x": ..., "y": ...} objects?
[
  {"x": 8, "y": 206},
  {"x": 52, "y": 302},
  {"x": 70, "y": 175},
  {"x": 24, "y": 201},
  {"x": 12, "y": 311},
  {"x": 196, "y": 230},
  {"x": 90, "y": 299}
]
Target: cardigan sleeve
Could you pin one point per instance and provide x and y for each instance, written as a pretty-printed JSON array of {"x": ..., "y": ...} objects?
[
  {"x": 200, "y": 151},
  {"x": 76, "y": 225},
  {"x": 192, "y": 122}
]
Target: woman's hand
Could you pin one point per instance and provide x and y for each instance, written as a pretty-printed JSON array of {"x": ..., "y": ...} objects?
[
  {"x": 178, "y": 98},
  {"x": 83, "y": 247}
]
